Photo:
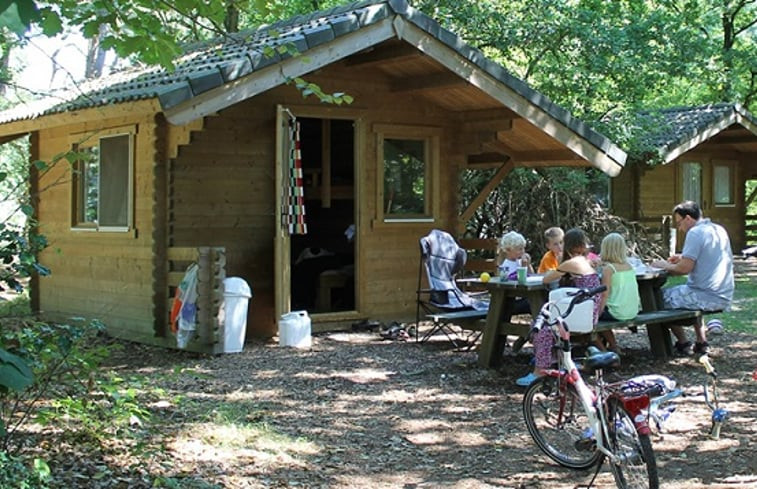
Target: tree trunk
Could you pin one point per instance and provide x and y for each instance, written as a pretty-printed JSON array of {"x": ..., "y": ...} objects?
[{"x": 95, "y": 55}]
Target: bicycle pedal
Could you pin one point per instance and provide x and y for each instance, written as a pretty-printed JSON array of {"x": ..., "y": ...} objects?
[{"x": 585, "y": 444}]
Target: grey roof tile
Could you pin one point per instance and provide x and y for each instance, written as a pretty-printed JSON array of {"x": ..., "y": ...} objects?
[{"x": 665, "y": 129}]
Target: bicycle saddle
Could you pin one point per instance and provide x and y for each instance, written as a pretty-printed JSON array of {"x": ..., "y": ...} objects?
[{"x": 601, "y": 361}]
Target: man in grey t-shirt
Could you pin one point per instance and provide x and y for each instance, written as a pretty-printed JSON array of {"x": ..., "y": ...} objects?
[{"x": 708, "y": 260}]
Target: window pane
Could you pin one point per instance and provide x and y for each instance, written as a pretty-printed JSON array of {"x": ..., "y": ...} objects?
[
  {"x": 404, "y": 177},
  {"x": 722, "y": 185},
  {"x": 114, "y": 181},
  {"x": 88, "y": 189},
  {"x": 692, "y": 182}
]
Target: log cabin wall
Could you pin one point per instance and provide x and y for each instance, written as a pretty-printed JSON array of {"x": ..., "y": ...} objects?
[
  {"x": 103, "y": 275},
  {"x": 222, "y": 194},
  {"x": 659, "y": 190}
]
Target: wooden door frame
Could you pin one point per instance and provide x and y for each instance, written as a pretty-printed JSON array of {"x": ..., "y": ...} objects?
[{"x": 282, "y": 245}]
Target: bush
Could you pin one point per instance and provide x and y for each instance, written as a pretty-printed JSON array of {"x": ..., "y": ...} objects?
[
  {"x": 530, "y": 201},
  {"x": 16, "y": 474}
]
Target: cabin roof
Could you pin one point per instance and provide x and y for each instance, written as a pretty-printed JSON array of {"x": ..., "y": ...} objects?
[
  {"x": 673, "y": 131},
  {"x": 216, "y": 74}
]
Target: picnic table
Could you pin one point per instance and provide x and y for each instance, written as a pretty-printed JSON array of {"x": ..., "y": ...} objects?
[{"x": 504, "y": 292}]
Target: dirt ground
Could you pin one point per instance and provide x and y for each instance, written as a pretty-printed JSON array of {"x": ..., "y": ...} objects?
[
  {"x": 358, "y": 411},
  {"x": 384, "y": 414}
]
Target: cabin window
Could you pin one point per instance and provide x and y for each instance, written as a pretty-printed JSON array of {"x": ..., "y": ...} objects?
[
  {"x": 722, "y": 185},
  {"x": 102, "y": 184},
  {"x": 692, "y": 182},
  {"x": 407, "y": 169}
]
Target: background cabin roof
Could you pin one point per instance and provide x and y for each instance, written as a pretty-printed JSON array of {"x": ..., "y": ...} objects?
[
  {"x": 673, "y": 131},
  {"x": 213, "y": 75}
]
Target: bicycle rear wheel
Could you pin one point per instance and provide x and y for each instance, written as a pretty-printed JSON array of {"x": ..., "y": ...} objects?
[
  {"x": 636, "y": 467},
  {"x": 558, "y": 423}
]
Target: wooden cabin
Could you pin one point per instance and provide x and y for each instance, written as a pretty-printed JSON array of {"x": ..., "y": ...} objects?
[
  {"x": 706, "y": 154},
  {"x": 194, "y": 165}
]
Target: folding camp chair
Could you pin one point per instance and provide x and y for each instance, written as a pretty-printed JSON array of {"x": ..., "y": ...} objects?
[{"x": 443, "y": 301}]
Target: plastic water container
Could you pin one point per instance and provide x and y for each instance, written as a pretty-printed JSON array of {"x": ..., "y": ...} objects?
[
  {"x": 294, "y": 330},
  {"x": 236, "y": 298}
]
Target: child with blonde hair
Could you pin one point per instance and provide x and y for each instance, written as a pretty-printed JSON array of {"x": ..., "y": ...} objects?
[
  {"x": 621, "y": 300},
  {"x": 511, "y": 254},
  {"x": 553, "y": 256}
]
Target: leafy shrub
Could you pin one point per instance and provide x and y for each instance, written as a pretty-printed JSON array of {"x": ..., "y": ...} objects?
[
  {"x": 18, "y": 475},
  {"x": 42, "y": 359}
]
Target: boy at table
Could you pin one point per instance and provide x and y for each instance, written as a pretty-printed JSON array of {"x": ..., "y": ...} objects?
[
  {"x": 554, "y": 242},
  {"x": 511, "y": 254},
  {"x": 707, "y": 259}
]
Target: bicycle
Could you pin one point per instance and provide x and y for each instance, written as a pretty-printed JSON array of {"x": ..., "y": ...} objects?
[
  {"x": 661, "y": 408},
  {"x": 579, "y": 426}
]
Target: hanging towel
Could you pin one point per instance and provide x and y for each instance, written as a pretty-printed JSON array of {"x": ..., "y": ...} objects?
[
  {"x": 293, "y": 198},
  {"x": 184, "y": 308}
]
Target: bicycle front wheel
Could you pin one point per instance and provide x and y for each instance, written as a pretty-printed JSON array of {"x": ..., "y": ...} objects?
[
  {"x": 635, "y": 467},
  {"x": 558, "y": 423}
]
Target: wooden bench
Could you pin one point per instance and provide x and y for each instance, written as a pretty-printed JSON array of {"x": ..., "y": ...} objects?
[
  {"x": 482, "y": 257},
  {"x": 660, "y": 342}
]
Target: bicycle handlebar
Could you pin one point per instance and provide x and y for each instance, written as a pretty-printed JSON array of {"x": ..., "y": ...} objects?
[{"x": 579, "y": 296}]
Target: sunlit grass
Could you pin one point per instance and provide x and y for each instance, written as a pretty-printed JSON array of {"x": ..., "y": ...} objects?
[
  {"x": 16, "y": 306},
  {"x": 741, "y": 317}
]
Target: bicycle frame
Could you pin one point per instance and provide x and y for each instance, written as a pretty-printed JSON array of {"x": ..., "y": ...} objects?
[{"x": 568, "y": 373}]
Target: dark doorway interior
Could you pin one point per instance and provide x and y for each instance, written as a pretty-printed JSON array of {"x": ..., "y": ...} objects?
[{"x": 323, "y": 261}]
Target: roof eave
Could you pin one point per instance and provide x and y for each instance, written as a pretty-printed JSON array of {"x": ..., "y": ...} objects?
[
  {"x": 673, "y": 152},
  {"x": 272, "y": 76}
]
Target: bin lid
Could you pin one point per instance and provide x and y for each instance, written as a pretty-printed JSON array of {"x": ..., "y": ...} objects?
[{"x": 236, "y": 287}]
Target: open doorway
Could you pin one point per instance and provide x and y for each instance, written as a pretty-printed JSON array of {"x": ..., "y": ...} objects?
[{"x": 322, "y": 268}]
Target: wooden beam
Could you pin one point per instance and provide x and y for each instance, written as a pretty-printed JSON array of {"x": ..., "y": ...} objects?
[
  {"x": 504, "y": 170},
  {"x": 495, "y": 124},
  {"x": 11, "y": 137},
  {"x": 486, "y": 160},
  {"x": 425, "y": 83},
  {"x": 608, "y": 158},
  {"x": 381, "y": 54}
]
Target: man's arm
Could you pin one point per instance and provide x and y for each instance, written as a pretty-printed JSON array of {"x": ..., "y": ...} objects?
[{"x": 675, "y": 265}]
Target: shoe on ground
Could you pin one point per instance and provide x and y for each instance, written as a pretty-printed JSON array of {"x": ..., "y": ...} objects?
[
  {"x": 702, "y": 348},
  {"x": 684, "y": 349},
  {"x": 527, "y": 380},
  {"x": 714, "y": 327}
]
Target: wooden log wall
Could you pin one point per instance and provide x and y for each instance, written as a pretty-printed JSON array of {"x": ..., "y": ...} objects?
[{"x": 102, "y": 275}]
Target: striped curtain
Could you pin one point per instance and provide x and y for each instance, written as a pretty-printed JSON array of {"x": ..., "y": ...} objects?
[{"x": 293, "y": 203}]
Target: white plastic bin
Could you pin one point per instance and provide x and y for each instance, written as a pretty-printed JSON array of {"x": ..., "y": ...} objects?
[
  {"x": 294, "y": 330},
  {"x": 236, "y": 298}
]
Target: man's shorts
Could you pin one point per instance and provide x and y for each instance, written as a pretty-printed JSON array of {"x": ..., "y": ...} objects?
[{"x": 684, "y": 297}]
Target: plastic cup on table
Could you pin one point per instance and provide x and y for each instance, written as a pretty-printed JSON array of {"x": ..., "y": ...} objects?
[{"x": 522, "y": 274}]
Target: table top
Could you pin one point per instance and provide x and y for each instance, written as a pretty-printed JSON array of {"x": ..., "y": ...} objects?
[{"x": 534, "y": 280}]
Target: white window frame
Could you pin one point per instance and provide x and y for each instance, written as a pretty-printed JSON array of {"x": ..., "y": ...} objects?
[
  {"x": 430, "y": 136},
  {"x": 81, "y": 145}
]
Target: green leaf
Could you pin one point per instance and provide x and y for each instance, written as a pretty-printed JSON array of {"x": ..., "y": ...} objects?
[
  {"x": 51, "y": 23},
  {"x": 40, "y": 165},
  {"x": 27, "y": 209},
  {"x": 11, "y": 20},
  {"x": 14, "y": 372},
  {"x": 27, "y": 11},
  {"x": 42, "y": 469},
  {"x": 3, "y": 175}
]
